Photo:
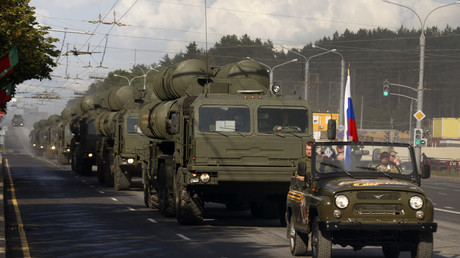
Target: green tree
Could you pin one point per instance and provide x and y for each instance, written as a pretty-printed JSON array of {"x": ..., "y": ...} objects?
[{"x": 18, "y": 26}]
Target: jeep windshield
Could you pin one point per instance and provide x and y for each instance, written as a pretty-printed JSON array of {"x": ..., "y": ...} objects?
[{"x": 357, "y": 159}]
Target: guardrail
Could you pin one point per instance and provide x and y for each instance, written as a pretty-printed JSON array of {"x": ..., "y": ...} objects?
[{"x": 444, "y": 166}]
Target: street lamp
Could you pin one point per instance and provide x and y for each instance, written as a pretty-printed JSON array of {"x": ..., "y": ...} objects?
[
  {"x": 129, "y": 80},
  {"x": 271, "y": 69},
  {"x": 307, "y": 66},
  {"x": 145, "y": 74},
  {"x": 422, "y": 63},
  {"x": 342, "y": 85}
]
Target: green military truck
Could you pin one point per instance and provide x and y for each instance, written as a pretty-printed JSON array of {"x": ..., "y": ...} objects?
[
  {"x": 65, "y": 135},
  {"x": 85, "y": 136},
  {"x": 360, "y": 194},
  {"x": 221, "y": 136},
  {"x": 121, "y": 147}
]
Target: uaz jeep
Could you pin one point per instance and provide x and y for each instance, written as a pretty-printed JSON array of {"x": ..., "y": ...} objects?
[{"x": 360, "y": 194}]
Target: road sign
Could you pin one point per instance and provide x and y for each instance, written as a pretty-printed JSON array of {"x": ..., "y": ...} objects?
[{"x": 419, "y": 115}]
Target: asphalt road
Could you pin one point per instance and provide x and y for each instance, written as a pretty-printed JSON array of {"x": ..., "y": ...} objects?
[{"x": 52, "y": 212}]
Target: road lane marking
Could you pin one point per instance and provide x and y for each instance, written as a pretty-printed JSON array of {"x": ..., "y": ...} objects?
[
  {"x": 442, "y": 193},
  {"x": 131, "y": 209},
  {"x": 152, "y": 220},
  {"x": 443, "y": 210},
  {"x": 22, "y": 234},
  {"x": 114, "y": 199},
  {"x": 183, "y": 237},
  {"x": 101, "y": 192}
]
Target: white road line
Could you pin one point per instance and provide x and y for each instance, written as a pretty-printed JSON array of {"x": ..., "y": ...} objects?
[
  {"x": 442, "y": 193},
  {"x": 131, "y": 209},
  {"x": 83, "y": 180},
  {"x": 152, "y": 220},
  {"x": 92, "y": 186},
  {"x": 102, "y": 192},
  {"x": 183, "y": 237},
  {"x": 114, "y": 199},
  {"x": 448, "y": 211}
]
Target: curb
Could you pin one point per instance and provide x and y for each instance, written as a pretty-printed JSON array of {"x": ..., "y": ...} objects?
[{"x": 2, "y": 210}]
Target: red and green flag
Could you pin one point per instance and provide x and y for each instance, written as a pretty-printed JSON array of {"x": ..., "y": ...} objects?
[
  {"x": 7, "y": 61},
  {"x": 5, "y": 94}
]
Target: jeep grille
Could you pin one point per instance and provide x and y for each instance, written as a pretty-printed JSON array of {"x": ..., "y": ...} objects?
[
  {"x": 378, "y": 209},
  {"x": 378, "y": 196}
]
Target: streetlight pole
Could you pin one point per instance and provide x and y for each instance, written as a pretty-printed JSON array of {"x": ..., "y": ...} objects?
[
  {"x": 307, "y": 67},
  {"x": 129, "y": 80},
  {"x": 421, "y": 66},
  {"x": 145, "y": 74},
  {"x": 271, "y": 69},
  {"x": 342, "y": 85}
]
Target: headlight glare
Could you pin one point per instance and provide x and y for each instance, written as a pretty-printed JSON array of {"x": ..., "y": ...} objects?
[
  {"x": 416, "y": 202},
  {"x": 205, "y": 177},
  {"x": 341, "y": 201}
]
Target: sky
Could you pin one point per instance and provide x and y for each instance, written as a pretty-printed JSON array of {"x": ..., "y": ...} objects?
[{"x": 128, "y": 32}]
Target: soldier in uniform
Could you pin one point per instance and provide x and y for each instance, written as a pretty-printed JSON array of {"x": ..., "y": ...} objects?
[
  {"x": 385, "y": 165},
  {"x": 300, "y": 180}
]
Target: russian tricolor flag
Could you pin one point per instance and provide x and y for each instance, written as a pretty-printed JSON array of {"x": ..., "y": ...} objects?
[{"x": 351, "y": 134}]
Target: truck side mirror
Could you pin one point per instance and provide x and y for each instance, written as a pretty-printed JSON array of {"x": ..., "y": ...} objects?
[
  {"x": 426, "y": 171},
  {"x": 331, "y": 129}
]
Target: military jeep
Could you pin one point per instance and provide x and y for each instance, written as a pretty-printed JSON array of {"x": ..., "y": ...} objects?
[{"x": 360, "y": 194}]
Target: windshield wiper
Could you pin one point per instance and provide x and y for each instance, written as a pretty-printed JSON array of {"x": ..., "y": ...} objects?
[
  {"x": 219, "y": 132},
  {"x": 340, "y": 169},
  {"x": 375, "y": 169}
]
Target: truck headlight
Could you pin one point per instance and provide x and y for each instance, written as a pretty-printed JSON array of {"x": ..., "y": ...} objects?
[
  {"x": 90, "y": 155},
  {"x": 205, "y": 177},
  {"x": 341, "y": 201},
  {"x": 53, "y": 147},
  {"x": 416, "y": 202},
  {"x": 130, "y": 161}
]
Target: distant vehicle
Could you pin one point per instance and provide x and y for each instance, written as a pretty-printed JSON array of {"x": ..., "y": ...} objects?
[{"x": 17, "y": 120}]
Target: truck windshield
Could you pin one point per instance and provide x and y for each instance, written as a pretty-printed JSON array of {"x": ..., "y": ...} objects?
[
  {"x": 285, "y": 119},
  {"x": 219, "y": 118},
  {"x": 132, "y": 126},
  {"x": 91, "y": 128},
  {"x": 386, "y": 160}
]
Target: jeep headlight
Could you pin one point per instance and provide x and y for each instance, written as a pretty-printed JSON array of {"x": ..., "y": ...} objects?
[
  {"x": 416, "y": 202},
  {"x": 341, "y": 201}
]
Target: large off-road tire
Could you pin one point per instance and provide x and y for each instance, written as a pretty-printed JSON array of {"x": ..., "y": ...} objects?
[
  {"x": 166, "y": 200},
  {"x": 424, "y": 248},
  {"x": 100, "y": 174},
  {"x": 121, "y": 180},
  {"x": 86, "y": 167},
  {"x": 321, "y": 245},
  {"x": 298, "y": 241},
  {"x": 150, "y": 195},
  {"x": 391, "y": 251},
  {"x": 108, "y": 169},
  {"x": 189, "y": 209}
]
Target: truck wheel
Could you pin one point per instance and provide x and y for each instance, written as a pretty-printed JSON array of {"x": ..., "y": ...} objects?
[
  {"x": 86, "y": 168},
  {"x": 189, "y": 210},
  {"x": 424, "y": 248},
  {"x": 256, "y": 210},
  {"x": 107, "y": 169},
  {"x": 121, "y": 180},
  {"x": 165, "y": 199},
  {"x": 391, "y": 251},
  {"x": 150, "y": 199},
  {"x": 321, "y": 245},
  {"x": 298, "y": 240}
]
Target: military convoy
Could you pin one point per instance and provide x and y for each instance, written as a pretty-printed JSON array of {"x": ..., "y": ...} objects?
[
  {"x": 17, "y": 120},
  {"x": 199, "y": 134},
  {"x": 362, "y": 199}
]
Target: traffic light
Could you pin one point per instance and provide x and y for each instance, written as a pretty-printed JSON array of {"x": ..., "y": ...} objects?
[
  {"x": 386, "y": 88},
  {"x": 418, "y": 140}
]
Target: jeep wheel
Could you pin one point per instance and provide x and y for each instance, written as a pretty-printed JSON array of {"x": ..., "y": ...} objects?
[
  {"x": 424, "y": 247},
  {"x": 189, "y": 210},
  {"x": 298, "y": 241},
  {"x": 391, "y": 251},
  {"x": 321, "y": 245}
]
